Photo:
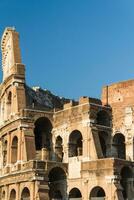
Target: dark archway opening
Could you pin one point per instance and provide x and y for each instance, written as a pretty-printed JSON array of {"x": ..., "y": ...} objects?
[
  {"x": 127, "y": 183},
  {"x": 8, "y": 104},
  {"x": 3, "y": 195},
  {"x": 75, "y": 144},
  {"x": 75, "y": 194},
  {"x": 4, "y": 153},
  {"x": 119, "y": 146},
  {"x": 14, "y": 150},
  {"x": 42, "y": 131},
  {"x": 57, "y": 184},
  {"x": 13, "y": 195},
  {"x": 25, "y": 194},
  {"x": 103, "y": 118},
  {"x": 97, "y": 193}
]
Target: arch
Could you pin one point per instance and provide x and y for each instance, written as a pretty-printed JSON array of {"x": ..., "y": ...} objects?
[
  {"x": 75, "y": 144},
  {"x": 25, "y": 195},
  {"x": 8, "y": 104},
  {"x": 75, "y": 194},
  {"x": 9, "y": 98},
  {"x": 57, "y": 183},
  {"x": 42, "y": 131},
  {"x": 97, "y": 193},
  {"x": 5, "y": 153},
  {"x": 126, "y": 179},
  {"x": 59, "y": 149},
  {"x": 12, "y": 195},
  {"x": 4, "y": 195},
  {"x": 103, "y": 118},
  {"x": 14, "y": 150},
  {"x": 119, "y": 146},
  {"x": 3, "y": 105},
  {"x": 57, "y": 195}
]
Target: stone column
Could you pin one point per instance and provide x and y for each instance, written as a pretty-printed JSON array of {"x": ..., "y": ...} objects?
[
  {"x": 8, "y": 148},
  {"x": 65, "y": 151},
  {"x": 129, "y": 147},
  {"x": 42, "y": 190},
  {"x": 19, "y": 145},
  {"x": 87, "y": 142}
]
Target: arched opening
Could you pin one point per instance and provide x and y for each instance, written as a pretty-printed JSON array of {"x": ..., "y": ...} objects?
[
  {"x": 75, "y": 194},
  {"x": 119, "y": 146},
  {"x": 8, "y": 104},
  {"x": 42, "y": 131},
  {"x": 97, "y": 193},
  {"x": 3, "y": 111},
  {"x": 103, "y": 137},
  {"x": 3, "y": 195},
  {"x": 75, "y": 144},
  {"x": 25, "y": 195},
  {"x": 14, "y": 150},
  {"x": 127, "y": 183},
  {"x": 12, "y": 195},
  {"x": 59, "y": 149},
  {"x": 57, "y": 184},
  {"x": 103, "y": 118},
  {"x": 5, "y": 153}
]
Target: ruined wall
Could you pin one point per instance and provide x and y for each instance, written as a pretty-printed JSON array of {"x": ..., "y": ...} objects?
[{"x": 120, "y": 96}]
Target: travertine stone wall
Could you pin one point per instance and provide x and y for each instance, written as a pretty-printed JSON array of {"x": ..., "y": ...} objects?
[{"x": 48, "y": 150}]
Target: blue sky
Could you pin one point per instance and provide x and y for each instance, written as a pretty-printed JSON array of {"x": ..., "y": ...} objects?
[{"x": 73, "y": 47}]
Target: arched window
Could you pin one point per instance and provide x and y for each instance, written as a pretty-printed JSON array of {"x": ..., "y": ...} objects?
[
  {"x": 5, "y": 153},
  {"x": 42, "y": 131},
  {"x": 9, "y": 97},
  {"x": 57, "y": 195},
  {"x": 3, "y": 195},
  {"x": 8, "y": 104},
  {"x": 75, "y": 144},
  {"x": 3, "y": 109},
  {"x": 59, "y": 149},
  {"x": 127, "y": 183},
  {"x": 57, "y": 184},
  {"x": 25, "y": 195},
  {"x": 119, "y": 146},
  {"x": 14, "y": 150},
  {"x": 75, "y": 194},
  {"x": 12, "y": 195},
  {"x": 103, "y": 118},
  {"x": 97, "y": 193}
]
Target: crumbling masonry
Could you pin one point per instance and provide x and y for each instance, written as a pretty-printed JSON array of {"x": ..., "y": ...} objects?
[{"x": 53, "y": 148}]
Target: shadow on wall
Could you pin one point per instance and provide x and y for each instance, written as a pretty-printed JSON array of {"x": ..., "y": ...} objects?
[{"x": 57, "y": 184}]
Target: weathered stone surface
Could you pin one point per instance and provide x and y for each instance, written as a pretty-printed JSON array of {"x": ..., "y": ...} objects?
[{"x": 56, "y": 148}]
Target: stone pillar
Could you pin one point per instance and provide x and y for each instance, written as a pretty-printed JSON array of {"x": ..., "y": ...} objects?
[
  {"x": 6, "y": 191},
  {"x": 65, "y": 151},
  {"x": 8, "y": 148},
  {"x": 19, "y": 145},
  {"x": 86, "y": 142},
  {"x": 1, "y": 154},
  {"x": 129, "y": 147},
  {"x": 45, "y": 154},
  {"x": 17, "y": 191},
  {"x": 42, "y": 190}
]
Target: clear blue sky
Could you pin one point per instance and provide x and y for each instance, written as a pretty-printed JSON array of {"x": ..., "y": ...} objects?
[{"x": 73, "y": 47}]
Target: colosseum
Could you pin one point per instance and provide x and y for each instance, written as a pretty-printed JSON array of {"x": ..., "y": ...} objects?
[{"x": 54, "y": 148}]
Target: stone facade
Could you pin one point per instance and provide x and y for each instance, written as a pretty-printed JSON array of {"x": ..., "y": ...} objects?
[{"x": 54, "y": 148}]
